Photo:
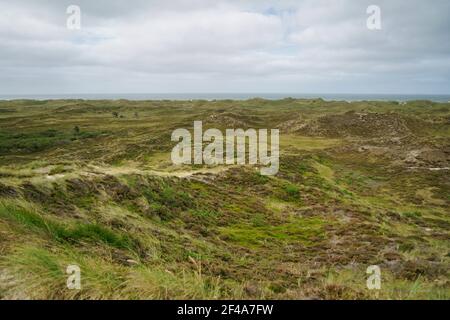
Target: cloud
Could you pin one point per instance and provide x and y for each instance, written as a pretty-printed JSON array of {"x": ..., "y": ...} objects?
[{"x": 218, "y": 46}]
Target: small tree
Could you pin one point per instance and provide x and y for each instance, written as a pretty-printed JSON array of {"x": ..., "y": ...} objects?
[{"x": 115, "y": 114}]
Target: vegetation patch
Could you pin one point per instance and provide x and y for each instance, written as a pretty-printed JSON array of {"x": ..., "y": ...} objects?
[
  {"x": 304, "y": 231},
  {"x": 39, "y": 141},
  {"x": 91, "y": 183},
  {"x": 78, "y": 232}
]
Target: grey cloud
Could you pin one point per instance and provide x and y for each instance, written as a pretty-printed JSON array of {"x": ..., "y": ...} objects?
[{"x": 214, "y": 46}]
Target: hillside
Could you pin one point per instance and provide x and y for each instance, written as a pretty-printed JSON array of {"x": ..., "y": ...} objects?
[{"x": 91, "y": 183}]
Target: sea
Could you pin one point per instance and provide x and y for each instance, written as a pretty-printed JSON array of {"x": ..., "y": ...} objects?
[{"x": 230, "y": 96}]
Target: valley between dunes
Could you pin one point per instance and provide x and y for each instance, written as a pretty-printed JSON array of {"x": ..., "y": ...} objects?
[{"x": 91, "y": 183}]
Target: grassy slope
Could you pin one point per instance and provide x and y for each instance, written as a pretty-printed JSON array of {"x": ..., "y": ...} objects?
[{"x": 106, "y": 197}]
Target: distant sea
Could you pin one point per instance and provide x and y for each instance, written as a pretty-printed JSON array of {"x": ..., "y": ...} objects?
[{"x": 231, "y": 96}]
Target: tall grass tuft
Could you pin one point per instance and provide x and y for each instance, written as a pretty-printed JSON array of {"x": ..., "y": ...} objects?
[{"x": 34, "y": 221}]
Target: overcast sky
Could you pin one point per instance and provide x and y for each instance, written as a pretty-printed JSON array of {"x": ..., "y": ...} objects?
[{"x": 297, "y": 46}]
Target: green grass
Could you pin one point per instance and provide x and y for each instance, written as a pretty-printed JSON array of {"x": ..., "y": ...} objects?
[
  {"x": 34, "y": 221},
  {"x": 39, "y": 141},
  {"x": 81, "y": 186},
  {"x": 412, "y": 214},
  {"x": 169, "y": 197},
  {"x": 303, "y": 231},
  {"x": 44, "y": 277},
  {"x": 206, "y": 214},
  {"x": 306, "y": 143},
  {"x": 292, "y": 191}
]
